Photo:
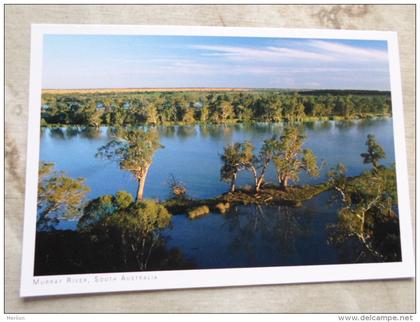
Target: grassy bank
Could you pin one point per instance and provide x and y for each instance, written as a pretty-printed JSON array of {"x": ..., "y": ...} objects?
[{"x": 269, "y": 195}]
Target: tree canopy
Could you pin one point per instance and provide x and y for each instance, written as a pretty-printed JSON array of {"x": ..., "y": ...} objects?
[
  {"x": 117, "y": 109},
  {"x": 368, "y": 212},
  {"x": 59, "y": 196},
  {"x": 133, "y": 149},
  {"x": 236, "y": 157},
  {"x": 291, "y": 158},
  {"x": 374, "y": 153}
]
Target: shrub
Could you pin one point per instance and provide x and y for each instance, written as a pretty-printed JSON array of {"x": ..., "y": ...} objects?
[
  {"x": 198, "y": 212},
  {"x": 223, "y": 207}
]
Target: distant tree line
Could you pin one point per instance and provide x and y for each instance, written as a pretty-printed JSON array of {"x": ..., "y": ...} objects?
[{"x": 95, "y": 109}]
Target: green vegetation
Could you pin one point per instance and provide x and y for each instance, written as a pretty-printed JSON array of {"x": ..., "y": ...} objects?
[
  {"x": 189, "y": 107},
  {"x": 102, "y": 207},
  {"x": 125, "y": 232},
  {"x": 374, "y": 153},
  {"x": 222, "y": 207},
  {"x": 133, "y": 149},
  {"x": 135, "y": 224},
  {"x": 289, "y": 158},
  {"x": 236, "y": 157},
  {"x": 368, "y": 214},
  {"x": 198, "y": 212},
  {"x": 59, "y": 197}
]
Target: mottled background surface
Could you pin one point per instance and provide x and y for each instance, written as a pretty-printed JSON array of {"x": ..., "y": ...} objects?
[{"x": 370, "y": 296}]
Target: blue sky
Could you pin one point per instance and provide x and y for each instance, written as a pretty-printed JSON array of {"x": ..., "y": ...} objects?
[{"x": 93, "y": 61}]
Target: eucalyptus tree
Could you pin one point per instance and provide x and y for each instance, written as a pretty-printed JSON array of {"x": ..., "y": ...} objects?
[
  {"x": 291, "y": 159},
  {"x": 91, "y": 115},
  {"x": 59, "y": 196},
  {"x": 260, "y": 165},
  {"x": 368, "y": 212},
  {"x": 138, "y": 227},
  {"x": 374, "y": 153},
  {"x": 236, "y": 157},
  {"x": 133, "y": 150},
  {"x": 131, "y": 230}
]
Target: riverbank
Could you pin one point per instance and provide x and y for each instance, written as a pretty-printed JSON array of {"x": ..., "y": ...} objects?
[
  {"x": 269, "y": 195},
  {"x": 306, "y": 119}
]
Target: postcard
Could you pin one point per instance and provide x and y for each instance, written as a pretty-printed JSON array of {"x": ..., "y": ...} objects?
[{"x": 163, "y": 157}]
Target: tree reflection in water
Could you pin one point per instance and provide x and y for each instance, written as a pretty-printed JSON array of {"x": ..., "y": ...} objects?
[
  {"x": 186, "y": 131},
  {"x": 89, "y": 132},
  {"x": 57, "y": 133},
  {"x": 278, "y": 228}
]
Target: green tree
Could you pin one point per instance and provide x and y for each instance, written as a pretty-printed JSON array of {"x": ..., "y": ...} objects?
[
  {"x": 59, "y": 197},
  {"x": 91, "y": 115},
  {"x": 290, "y": 158},
  {"x": 130, "y": 229},
  {"x": 133, "y": 149},
  {"x": 117, "y": 116},
  {"x": 203, "y": 114},
  {"x": 99, "y": 208},
  {"x": 236, "y": 157},
  {"x": 184, "y": 113},
  {"x": 223, "y": 112},
  {"x": 294, "y": 110},
  {"x": 260, "y": 163},
  {"x": 151, "y": 114},
  {"x": 139, "y": 228},
  {"x": 374, "y": 153},
  {"x": 368, "y": 212},
  {"x": 337, "y": 179}
]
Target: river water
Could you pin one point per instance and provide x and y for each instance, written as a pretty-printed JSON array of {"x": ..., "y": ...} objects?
[{"x": 248, "y": 235}]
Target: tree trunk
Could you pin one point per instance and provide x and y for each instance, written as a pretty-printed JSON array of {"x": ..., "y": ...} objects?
[
  {"x": 362, "y": 227},
  {"x": 141, "y": 180},
  {"x": 285, "y": 183},
  {"x": 140, "y": 188},
  {"x": 254, "y": 172},
  {"x": 279, "y": 179},
  {"x": 259, "y": 183},
  {"x": 233, "y": 183},
  {"x": 260, "y": 180}
]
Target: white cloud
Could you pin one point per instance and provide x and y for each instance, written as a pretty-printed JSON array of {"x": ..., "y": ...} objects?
[
  {"x": 321, "y": 51},
  {"x": 350, "y": 52},
  {"x": 267, "y": 53}
]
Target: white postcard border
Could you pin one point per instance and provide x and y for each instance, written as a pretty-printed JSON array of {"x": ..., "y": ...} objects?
[{"x": 130, "y": 281}]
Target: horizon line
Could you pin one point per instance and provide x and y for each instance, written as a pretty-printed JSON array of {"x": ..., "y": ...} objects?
[{"x": 210, "y": 88}]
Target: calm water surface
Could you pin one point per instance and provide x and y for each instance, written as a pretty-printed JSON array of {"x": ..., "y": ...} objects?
[{"x": 248, "y": 235}]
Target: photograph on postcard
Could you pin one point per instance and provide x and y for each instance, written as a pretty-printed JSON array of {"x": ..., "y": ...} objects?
[{"x": 191, "y": 152}]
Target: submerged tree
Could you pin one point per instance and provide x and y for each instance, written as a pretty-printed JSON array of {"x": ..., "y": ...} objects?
[
  {"x": 178, "y": 188},
  {"x": 236, "y": 157},
  {"x": 374, "y": 153},
  {"x": 133, "y": 149},
  {"x": 59, "y": 197},
  {"x": 291, "y": 158}
]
